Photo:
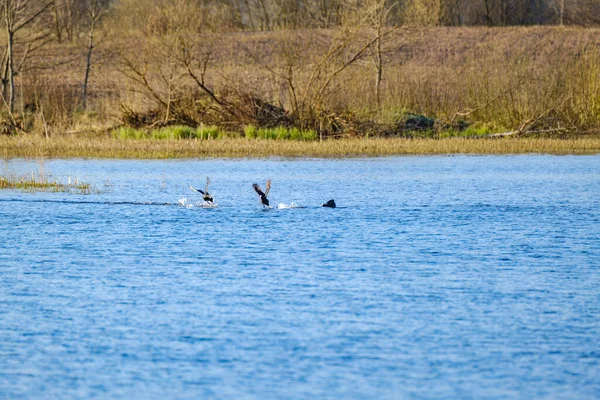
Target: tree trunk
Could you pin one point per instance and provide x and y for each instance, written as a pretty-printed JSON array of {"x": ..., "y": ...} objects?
[
  {"x": 88, "y": 64},
  {"x": 11, "y": 70},
  {"x": 266, "y": 20},
  {"x": 379, "y": 67},
  {"x": 58, "y": 28},
  {"x": 458, "y": 13},
  {"x": 562, "y": 12},
  {"x": 5, "y": 79},
  {"x": 488, "y": 16}
]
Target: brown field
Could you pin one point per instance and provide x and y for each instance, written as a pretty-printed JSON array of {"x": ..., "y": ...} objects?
[
  {"x": 95, "y": 147},
  {"x": 495, "y": 79}
]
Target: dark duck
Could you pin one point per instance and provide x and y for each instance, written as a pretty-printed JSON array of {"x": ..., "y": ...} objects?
[
  {"x": 263, "y": 195},
  {"x": 330, "y": 204},
  {"x": 205, "y": 195}
]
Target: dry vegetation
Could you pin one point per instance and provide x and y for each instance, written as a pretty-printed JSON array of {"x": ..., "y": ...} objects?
[
  {"x": 496, "y": 79},
  {"x": 376, "y": 70},
  {"x": 94, "y": 147}
]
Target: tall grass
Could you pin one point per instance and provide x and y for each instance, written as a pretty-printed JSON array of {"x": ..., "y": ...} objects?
[
  {"x": 104, "y": 147},
  {"x": 176, "y": 132}
]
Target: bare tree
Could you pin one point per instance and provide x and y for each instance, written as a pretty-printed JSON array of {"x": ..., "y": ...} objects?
[
  {"x": 158, "y": 68},
  {"x": 584, "y": 12},
  {"x": 95, "y": 11},
  {"x": 65, "y": 14},
  {"x": 376, "y": 14},
  {"x": 17, "y": 16},
  {"x": 424, "y": 12},
  {"x": 308, "y": 85}
]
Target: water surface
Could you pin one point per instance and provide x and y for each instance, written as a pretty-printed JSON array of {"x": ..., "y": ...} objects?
[{"x": 437, "y": 277}]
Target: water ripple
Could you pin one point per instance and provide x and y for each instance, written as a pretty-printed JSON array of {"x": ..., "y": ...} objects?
[{"x": 437, "y": 277}]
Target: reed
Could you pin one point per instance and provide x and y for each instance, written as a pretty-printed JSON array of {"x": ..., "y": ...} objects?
[
  {"x": 40, "y": 184},
  {"x": 29, "y": 146}
]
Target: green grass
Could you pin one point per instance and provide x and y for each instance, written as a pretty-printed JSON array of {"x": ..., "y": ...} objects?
[
  {"x": 175, "y": 132},
  {"x": 208, "y": 132},
  {"x": 476, "y": 130},
  {"x": 180, "y": 132},
  {"x": 279, "y": 133},
  {"x": 130, "y": 133}
]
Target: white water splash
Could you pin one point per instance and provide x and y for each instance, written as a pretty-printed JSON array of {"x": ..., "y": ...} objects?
[
  {"x": 283, "y": 206},
  {"x": 187, "y": 203}
]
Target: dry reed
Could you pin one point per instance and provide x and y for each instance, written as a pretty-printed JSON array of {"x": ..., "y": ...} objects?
[{"x": 99, "y": 147}]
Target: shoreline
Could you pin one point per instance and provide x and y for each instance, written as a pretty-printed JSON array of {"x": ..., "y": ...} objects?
[{"x": 27, "y": 146}]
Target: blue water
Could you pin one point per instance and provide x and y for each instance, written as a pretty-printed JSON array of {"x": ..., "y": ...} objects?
[{"x": 437, "y": 277}]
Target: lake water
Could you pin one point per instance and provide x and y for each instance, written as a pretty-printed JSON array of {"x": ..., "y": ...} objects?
[{"x": 437, "y": 277}]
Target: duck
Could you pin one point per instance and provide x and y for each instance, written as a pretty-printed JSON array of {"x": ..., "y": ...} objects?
[
  {"x": 330, "y": 204},
  {"x": 205, "y": 195},
  {"x": 263, "y": 195}
]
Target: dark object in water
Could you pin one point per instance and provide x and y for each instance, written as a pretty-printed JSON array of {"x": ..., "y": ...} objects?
[
  {"x": 330, "y": 204},
  {"x": 205, "y": 195},
  {"x": 263, "y": 196}
]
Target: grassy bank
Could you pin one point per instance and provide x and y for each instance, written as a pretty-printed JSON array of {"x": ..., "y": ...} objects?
[{"x": 106, "y": 147}]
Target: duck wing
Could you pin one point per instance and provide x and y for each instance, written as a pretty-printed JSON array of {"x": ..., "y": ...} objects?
[
  {"x": 207, "y": 183},
  {"x": 196, "y": 190},
  {"x": 268, "y": 187},
  {"x": 258, "y": 189}
]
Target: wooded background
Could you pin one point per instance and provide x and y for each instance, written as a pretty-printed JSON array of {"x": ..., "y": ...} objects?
[{"x": 303, "y": 62}]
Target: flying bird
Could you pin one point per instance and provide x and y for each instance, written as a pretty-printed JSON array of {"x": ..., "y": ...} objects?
[
  {"x": 205, "y": 195},
  {"x": 263, "y": 196}
]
